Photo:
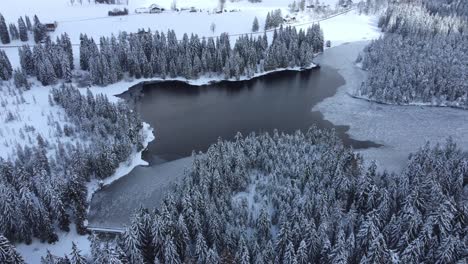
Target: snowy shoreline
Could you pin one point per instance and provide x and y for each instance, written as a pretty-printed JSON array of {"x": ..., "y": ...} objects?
[
  {"x": 410, "y": 104},
  {"x": 113, "y": 90}
]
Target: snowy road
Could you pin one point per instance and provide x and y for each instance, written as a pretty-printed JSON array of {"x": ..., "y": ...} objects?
[{"x": 401, "y": 129}]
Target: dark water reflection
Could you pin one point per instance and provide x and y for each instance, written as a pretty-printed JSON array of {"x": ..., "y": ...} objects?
[{"x": 187, "y": 117}]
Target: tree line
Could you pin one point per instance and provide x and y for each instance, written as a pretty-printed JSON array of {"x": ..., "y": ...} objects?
[
  {"x": 146, "y": 55},
  {"x": 44, "y": 187},
  {"x": 422, "y": 59},
  {"x": 21, "y": 31}
]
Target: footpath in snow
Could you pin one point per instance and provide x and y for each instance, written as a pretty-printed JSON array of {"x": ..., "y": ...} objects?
[{"x": 400, "y": 129}]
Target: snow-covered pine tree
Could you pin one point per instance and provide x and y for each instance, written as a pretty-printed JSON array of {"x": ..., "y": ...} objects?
[
  {"x": 14, "y": 33},
  {"x": 23, "y": 30},
  {"x": 8, "y": 253},
  {"x": 6, "y": 69},
  {"x": 39, "y": 30},
  {"x": 255, "y": 25},
  {"x": 4, "y": 36},
  {"x": 75, "y": 256}
]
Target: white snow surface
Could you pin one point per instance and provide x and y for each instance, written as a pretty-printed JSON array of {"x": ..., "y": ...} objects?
[
  {"x": 35, "y": 112},
  {"x": 32, "y": 253},
  {"x": 401, "y": 129}
]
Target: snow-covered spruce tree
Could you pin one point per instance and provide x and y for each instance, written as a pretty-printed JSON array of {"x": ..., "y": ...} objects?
[
  {"x": 447, "y": 7},
  {"x": 5, "y": 67},
  {"x": 49, "y": 61},
  {"x": 321, "y": 205},
  {"x": 27, "y": 60},
  {"x": 14, "y": 32},
  {"x": 4, "y": 36},
  {"x": 65, "y": 42},
  {"x": 273, "y": 19},
  {"x": 20, "y": 79},
  {"x": 255, "y": 25},
  {"x": 75, "y": 256},
  {"x": 28, "y": 23},
  {"x": 8, "y": 253},
  {"x": 39, "y": 30},
  {"x": 23, "y": 30}
]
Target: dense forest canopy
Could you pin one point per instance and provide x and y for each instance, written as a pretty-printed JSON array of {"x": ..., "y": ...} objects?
[
  {"x": 422, "y": 59},
  {"x": 447, "y": 7},
  {"x": 302, "y": 198}
]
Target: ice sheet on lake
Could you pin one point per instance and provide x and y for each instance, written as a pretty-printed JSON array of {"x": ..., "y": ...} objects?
[
  {"x": 112, "y": 206},
  {"x": 401, "y": 129}
]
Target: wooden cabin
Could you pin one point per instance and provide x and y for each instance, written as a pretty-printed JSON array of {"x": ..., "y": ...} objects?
[{"x": 51, "y": 27}]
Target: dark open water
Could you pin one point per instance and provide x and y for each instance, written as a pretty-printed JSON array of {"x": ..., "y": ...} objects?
[{"x": 187, "y": 117}]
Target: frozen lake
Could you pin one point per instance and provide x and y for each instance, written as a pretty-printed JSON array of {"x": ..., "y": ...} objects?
[
  {"x": 190, "y": 118},
  {"x": 400, "y": 129}
]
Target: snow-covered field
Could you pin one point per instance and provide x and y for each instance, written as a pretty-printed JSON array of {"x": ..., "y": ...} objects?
[{"x": 401, "y": 129}]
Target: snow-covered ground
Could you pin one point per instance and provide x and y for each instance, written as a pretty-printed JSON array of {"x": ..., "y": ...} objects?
[
  {"x": 400, "y": 129},
  {"x": 32, "y": 115},
  {"x": 32, "y": 253}
]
